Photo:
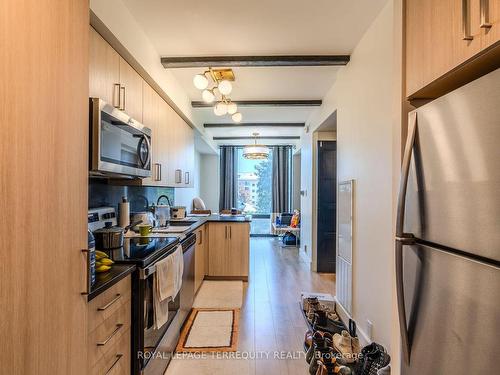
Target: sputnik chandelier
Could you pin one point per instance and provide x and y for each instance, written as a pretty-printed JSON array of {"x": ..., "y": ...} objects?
[{"x": 221, "y": 85}]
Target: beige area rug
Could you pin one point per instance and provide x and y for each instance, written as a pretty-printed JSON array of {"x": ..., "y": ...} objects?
[
  {"x": 210, "y": 330},
  {"x": 219, "y": 295}
]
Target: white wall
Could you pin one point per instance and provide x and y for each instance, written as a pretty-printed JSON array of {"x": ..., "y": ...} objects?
[
  {"x": 184, "y": 196},
  {"x": 363, "y": 97},
  {"x": 209, "y": 181}
]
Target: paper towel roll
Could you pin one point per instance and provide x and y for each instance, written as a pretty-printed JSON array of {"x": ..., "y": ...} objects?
[{"x": 124, "y": 208}]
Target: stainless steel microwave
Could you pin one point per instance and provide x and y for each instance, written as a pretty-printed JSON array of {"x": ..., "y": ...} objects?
[{"x": 120, "y": 146}]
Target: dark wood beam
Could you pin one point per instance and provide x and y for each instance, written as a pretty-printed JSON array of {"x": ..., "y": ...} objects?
[
  {"x": 265, "y": 103},
  {"x": 248, "y": 61},
  {"x": 260, "y": 137},
  {"x": 263, "y": 124}
]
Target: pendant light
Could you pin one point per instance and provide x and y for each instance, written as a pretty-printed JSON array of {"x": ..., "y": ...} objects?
[
  {"x": 200, "y": 81},
  {"x": 220, "y": 109},
  {"x": 255, "y": 151},
  {"x": 237, "y": 117}
]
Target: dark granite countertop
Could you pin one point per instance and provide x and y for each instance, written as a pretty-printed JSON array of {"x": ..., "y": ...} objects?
[
  {"x": 107, "y": 279},
  {"x": 200, "y": 220}
]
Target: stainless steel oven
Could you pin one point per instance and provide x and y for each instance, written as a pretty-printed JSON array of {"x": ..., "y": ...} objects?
[{"x": 120, "y": 145}]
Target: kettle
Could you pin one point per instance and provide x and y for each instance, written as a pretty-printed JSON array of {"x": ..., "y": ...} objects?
[{"x": 162, "y": 214}]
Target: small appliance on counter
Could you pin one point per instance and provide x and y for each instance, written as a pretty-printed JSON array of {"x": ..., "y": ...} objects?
[{"x": 179, "y": 212}]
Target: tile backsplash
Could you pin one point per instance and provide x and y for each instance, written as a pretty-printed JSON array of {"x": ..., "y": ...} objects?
[{"x": 140, "y": 197}]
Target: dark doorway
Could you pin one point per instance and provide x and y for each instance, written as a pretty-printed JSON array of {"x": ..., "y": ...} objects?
[{"x": 327, "y": 206}]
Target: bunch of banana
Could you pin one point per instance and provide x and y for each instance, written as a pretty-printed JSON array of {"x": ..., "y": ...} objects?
[{"x": 102, "y": 262}]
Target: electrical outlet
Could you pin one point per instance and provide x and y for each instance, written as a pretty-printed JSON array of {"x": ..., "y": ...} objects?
[{"x": 369, "y": 329}]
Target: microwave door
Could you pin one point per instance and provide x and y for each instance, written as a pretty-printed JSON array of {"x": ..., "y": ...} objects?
[{"x": 123, "y": 149}]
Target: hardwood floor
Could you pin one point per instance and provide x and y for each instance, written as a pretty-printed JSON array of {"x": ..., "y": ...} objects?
[{"x": 271, "y": 324}]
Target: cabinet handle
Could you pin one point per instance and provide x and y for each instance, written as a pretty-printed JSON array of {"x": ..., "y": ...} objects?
[
  {"x": 465, "y": 21},
  {"x": 484, "y": 8},
  {"x": 105, "y": 307},
  {"x": 118, "y": 357},
  {"x": 230, "y": 232},
  {"x": 186, "y": 177},
  {"x": 201, "y": 238},
  {"x": 122, "y": 106},
  {"x": 225, "y": 231},
  {"x": 158, "y": 172},
  {"x": 118, "y": 327},
  {"x": 178, "y": 176},
  {"x": 87, "y": 270},
  {"x": 116, "y": 94}
]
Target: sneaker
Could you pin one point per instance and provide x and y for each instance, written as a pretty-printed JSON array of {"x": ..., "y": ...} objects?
[{"x": 343, "y": 344}]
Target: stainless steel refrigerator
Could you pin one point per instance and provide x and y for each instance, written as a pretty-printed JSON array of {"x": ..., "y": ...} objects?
[{"x": 448, "y": 234}]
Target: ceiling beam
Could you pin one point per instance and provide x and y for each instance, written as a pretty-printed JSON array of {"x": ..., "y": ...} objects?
[
  {"x": 260, "y": 137},
  {"x": 264, "y": 103},
  {"x": 249, "y": 61},
  {"x": 262, "y": 124}
]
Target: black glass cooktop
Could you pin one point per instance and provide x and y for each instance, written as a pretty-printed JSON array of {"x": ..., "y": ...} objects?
[{"x": 144, "y": 250}]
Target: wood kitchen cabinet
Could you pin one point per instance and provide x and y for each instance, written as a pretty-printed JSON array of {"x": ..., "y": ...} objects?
[
  {"x": 109, "y": 345},
  {"x": 112, "y": 79},
  {"x": 104, "y": 70},
  {"x": 200, "y": 260},
  {"x": 130, "y": 91},
  {"x": 441, "y": 37},
  {"x": 228, "y": 250},
  {"x": 45, "y": 152}
]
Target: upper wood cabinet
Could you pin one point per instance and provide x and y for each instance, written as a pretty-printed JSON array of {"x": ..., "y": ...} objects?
[
  {"x": 151, "y": 119},
  {"x": 112, "y": 79},
  {"x": 130, "y": 91},
  {"x": 490, "y": 20},
  {"x": 116, "y": 82},
  {"x": 442, "y": 35},
  {"x": 104, "y": 70}
]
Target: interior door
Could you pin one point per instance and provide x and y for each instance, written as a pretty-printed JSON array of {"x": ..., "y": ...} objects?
[
  {"x": 452, "y": 313},
  {"x": 327, "y": 207}
]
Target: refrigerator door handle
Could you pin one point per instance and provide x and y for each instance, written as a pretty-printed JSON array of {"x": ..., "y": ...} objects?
[
  {"x": 405, "y": 171},
  {"x": 405, "y": 340},
  {"x": 404, "y": 238}
]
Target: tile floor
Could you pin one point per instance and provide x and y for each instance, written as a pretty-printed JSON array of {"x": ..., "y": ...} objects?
[{"x": 271, "y": 325}]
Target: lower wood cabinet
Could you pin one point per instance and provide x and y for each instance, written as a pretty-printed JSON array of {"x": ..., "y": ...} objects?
[
  {"x": 109, "y": 330},
  {"x": 200, "y": 258},
  {"x": 228, "y": 250}
]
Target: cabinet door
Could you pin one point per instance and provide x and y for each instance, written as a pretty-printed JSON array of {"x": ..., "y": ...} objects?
[
  {"x": 131, "y": 91},
  {"x": 104, "y": 70},
  {"x": 163, "y": 141},
  {"x": 45, "y": 148},
  {"x": 238, "y": 249},
  {"x": 217, "y": 249},
  {"x": 200, "y": 257},
  {"x": 435, "y": 39},
  {"x": 189, "y": 158},
  {"x": 151, "y": 119},
  {"x": 491, "y": 35}
]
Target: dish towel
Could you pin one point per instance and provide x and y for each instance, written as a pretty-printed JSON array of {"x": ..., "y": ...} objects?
[{"x": 167, "y": 284}]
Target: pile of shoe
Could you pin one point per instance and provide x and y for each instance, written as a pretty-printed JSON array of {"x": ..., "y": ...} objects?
[{"x": 331, "y": 348}]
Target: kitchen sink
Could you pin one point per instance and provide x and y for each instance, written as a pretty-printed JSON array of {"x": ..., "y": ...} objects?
[{"x": 182, "y": 223}]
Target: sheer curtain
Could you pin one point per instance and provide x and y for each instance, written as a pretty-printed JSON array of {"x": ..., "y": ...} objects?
[
  {"x": 228, "y": 196},
  {"x": 282, "y": 180}
]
